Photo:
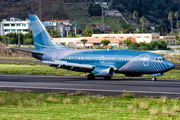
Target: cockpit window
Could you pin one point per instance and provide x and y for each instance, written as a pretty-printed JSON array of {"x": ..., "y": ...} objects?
[{"x": 160, "y": 58}]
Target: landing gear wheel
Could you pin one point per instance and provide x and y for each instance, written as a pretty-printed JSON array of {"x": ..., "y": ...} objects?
[
  {"x": 107, "y": 78},
  {"x": 90, "y": 77},
  {"x": 154, "y": 79}
]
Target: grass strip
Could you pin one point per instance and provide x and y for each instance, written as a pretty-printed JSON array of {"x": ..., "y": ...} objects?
[
  {"x": 73, "y": 106},
  {"x": 33, "y": 69}
]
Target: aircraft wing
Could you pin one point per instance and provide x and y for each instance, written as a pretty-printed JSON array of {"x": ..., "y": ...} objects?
[
  {"x": 29, "y": 51},
  {"x": 73, "y": 66}
]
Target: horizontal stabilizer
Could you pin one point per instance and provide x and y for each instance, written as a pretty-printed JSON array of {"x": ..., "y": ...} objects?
[{"x": 29, "y": 51}]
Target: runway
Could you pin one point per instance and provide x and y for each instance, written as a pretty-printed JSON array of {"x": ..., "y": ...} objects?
[{"x": 116, "y": 86}]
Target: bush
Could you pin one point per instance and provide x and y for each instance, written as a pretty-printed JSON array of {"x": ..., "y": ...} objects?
[{"x": 128, "y": 95}]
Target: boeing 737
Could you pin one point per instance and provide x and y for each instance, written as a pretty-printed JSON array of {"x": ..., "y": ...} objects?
[{"x": 98, "y": 63}]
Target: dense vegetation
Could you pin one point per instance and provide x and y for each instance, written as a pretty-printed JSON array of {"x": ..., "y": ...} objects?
[
  {"x": 156, "y": 8},
  {"x": 24, "y": 39},
  {"x": 153, "y": 45}
]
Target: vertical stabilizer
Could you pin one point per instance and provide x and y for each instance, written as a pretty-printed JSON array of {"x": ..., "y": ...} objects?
[{"x": 42, "y": 39}]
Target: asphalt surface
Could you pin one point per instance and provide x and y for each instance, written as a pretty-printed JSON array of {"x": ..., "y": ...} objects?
[{"x": 116, "y": 86}]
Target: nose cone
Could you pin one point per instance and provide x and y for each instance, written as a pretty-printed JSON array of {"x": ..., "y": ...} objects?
[{"x": 170, "y": 65}]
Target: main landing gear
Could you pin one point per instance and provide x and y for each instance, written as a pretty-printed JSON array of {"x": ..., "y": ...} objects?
[{"x": 92, "y": 77}]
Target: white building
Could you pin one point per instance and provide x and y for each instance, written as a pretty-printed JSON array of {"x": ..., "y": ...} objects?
[
  {"x": 63, "y": 26},
  {"x": 115, "y": 39},
  {"x": 170, "y": 40},
  {"x": 15, "y": 25},
  {"x": 146, "y": 37}
]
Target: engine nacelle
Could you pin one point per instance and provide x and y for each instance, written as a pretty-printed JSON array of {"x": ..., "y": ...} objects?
[{"x": 103, "y": 71}]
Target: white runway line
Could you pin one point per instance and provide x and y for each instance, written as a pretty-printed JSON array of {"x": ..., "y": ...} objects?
[{"x": 94, "y": 90}]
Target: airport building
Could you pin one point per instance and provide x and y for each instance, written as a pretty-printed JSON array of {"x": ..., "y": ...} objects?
[
  {"x": 115, "y": 39},
  {"x": 146, "y": 37},
  {"x": 15, "y": 25},
  {"x": 170, "y": 40}
]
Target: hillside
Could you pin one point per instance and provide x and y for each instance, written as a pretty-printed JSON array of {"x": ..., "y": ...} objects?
[
  {"x": 51, "y": 9},
  {"x": 156, "y": 11},
  {"x": 6, "y": 52}
]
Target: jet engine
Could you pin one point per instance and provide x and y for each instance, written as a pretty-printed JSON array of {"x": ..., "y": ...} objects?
[{"x": 103, "y": 71}]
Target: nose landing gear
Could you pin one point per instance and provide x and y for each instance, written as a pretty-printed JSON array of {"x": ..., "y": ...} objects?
[
  {"x": 154, "y": 79},
  {"x": 155, "y": 75}
]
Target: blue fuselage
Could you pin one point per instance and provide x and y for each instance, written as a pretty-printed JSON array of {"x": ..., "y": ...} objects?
[{"x": 134, "y": 62}]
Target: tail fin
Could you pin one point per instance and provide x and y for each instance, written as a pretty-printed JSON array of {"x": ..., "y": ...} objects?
[{"x": 42, "y": 39}]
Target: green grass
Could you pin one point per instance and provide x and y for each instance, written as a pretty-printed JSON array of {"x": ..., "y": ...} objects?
[
  {"x": 78, "y": 11},
  {"x": 66, "y": 106},
  {"x": 107, "y": 20},
  {"x": 33, "y": 69},
  {"x": 111, "y": 23},
  {"x": 96, "y": 19}
]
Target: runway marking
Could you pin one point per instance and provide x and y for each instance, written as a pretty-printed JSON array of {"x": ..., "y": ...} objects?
[{"x": 94, "y": 90}]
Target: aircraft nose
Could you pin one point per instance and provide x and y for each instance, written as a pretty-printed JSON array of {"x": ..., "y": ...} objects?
[{"x": 170, "y": 65}]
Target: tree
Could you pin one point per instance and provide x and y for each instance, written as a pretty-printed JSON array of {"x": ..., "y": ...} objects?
[
  {"x": 87, "y": 32},
  {"x": 178, "y": 25},
  {"x": 94, "y": 9},
  {"x": 105, "y": 42},
  {"x": 28, "y": 41},
  {"x": 53, "y": 33},
  {"x": 162, "y": 29},
  {"x": 162, "y": 45},
  {"x": 71, "y": 34},
  {"x": 176, "y": 15},
  {"x": 170, "y": 18},
  {"x": 84, "y": 42},
  {"x": 135, "y": 15},
  {"x": 29, "y": 34},
  {"x": 158, "y": 45},
  {"x": 127, "y": 42},
  {"x": 133, "y": 46},
  {"x": 143, "y": 46},
  {"x": 16, "y": 38},
  {"x": 142, "y": 21}
]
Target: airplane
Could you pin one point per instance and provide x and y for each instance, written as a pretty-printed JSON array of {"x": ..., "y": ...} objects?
[{"x": 98, "y": 63}]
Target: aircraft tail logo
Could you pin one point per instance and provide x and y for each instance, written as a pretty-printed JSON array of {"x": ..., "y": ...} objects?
[{"x": 41, "y": 37}]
